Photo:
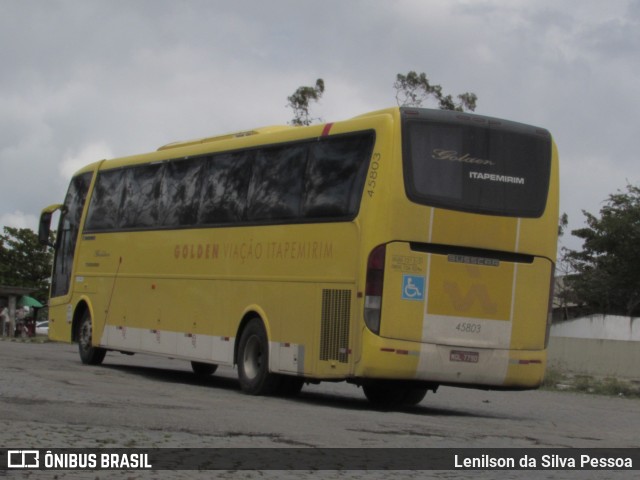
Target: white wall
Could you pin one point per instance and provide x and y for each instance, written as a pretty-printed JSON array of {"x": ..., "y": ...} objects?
[
  {"x": 599, "y": 327},
  {"x": 598, "y": 358},
  {"x": 598, "y": 345}
]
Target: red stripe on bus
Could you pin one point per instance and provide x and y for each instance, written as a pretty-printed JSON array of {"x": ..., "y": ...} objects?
[{"x": 325, "y": 130}]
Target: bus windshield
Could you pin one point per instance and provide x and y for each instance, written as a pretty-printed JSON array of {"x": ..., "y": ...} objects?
[{"x": 482, "y": 166}]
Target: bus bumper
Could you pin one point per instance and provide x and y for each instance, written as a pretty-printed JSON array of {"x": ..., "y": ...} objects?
[{"x": 446, "y": 364}]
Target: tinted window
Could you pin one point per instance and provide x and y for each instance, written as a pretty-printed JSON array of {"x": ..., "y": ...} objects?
[
  {"x": 181, "y": 186},
  {"x": 67, "y": 235},
  {"x": 335, "y": 174},
  {"x": 297, "y": 182},
  {"x": 501, "y": 170},
  {"x": 275, "y": 192},
  {"x": 224, "y": 188},
  {"x": 104, "y": 209},
  {"x": 142, "y": 201}
]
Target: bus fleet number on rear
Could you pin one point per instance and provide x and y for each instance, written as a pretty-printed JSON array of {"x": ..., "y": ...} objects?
[{"x": 469, "y": 327}]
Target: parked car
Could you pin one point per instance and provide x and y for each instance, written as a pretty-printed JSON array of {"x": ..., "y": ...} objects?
[{"x": 42, "y": 328}]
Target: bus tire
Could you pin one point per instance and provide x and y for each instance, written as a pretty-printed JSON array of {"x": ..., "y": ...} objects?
[
  {"x": 89, "y": 354},
  {"x": 203, "y": 369},
  {"x": 414, "y": 395},
  {"x": 290, "y": 386},
  {"x": 253, "y": 361},
  {"x": 392, "y": 394}
]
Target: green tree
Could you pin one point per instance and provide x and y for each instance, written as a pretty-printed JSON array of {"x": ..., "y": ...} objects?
[
  {"x": 607, "y": 269},
  {"x": 563, "y": 222},
  {"x": 24, "y": 262},
  {"x": 300, "y": 100},
  {"x": 414, "y": 88},
  {"x": 564, "y": 296}
]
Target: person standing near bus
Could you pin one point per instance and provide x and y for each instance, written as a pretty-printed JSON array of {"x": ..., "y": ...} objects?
[{"x": 4, "y": 320}]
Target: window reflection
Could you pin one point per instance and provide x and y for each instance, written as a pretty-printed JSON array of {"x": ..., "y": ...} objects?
[
  {"x": 276, "y": 186},
  {"x": 297, "y": 182},
  {"x": 225, "y": 185},
  {"x": 180, "y": 199}
]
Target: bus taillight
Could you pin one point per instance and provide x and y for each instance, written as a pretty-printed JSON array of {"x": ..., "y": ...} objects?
[{"x": 373, "y": 288}]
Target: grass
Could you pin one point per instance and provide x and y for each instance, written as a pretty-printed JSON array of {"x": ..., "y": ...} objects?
[{"x": 556, "y": 379}]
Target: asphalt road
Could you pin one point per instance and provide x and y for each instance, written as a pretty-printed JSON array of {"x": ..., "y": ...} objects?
[{"x": 48, "y": 399}]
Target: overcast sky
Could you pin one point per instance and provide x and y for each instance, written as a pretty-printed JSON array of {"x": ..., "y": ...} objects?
[{"x": 82, "y": 80}]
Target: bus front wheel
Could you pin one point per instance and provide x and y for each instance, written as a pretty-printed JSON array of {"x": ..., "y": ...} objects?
[
  {"x": 203, "y": 369},
  {"x": 253, "y": 361},
  {"x": 89, "y": 354}
]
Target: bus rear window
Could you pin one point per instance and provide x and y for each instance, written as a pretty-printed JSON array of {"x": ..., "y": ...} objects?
[{"x": 496, "y": 167}]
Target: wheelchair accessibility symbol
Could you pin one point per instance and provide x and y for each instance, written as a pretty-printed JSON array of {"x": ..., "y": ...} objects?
[{"x": 412, "y": 287}]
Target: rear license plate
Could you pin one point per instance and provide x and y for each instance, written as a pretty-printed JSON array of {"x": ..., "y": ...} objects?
[{"x": 464, "y": 356}]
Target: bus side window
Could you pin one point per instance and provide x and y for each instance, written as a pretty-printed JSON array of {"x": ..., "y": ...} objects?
[
  {"x": 141, "y": 197},
  {"x": 223, "y": 198},
  {"x": 275, "y": 192},
  {"x": 104, "y": 208},
  {"x": 335, "y": 175},
  {"x": 180, "y": 197}
]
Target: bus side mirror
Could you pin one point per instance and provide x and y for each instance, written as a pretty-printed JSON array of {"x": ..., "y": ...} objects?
[
  {"x": 45, "y": 229},
  {"x": 45, "y": 225}
]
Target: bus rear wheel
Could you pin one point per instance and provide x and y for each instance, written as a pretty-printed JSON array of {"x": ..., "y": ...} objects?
[
  {"x": 253, "y": 361},
  {"x": 390, "y": 394},
  {"x": 89, "y": 354}
]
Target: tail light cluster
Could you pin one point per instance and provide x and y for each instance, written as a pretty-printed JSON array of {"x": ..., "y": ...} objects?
[{"x": 373, "y": 288}]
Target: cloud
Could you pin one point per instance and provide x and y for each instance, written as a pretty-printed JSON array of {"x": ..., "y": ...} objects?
[
  {"x": 84, "y": 80},
  {"x": 87, "y": 154},
  {"x": 19, "y": 219}
]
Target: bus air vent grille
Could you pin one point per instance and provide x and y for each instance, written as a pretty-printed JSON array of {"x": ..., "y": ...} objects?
[{"x": 336, "y": 312}]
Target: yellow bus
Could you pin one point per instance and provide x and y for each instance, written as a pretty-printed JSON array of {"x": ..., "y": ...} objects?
[{"x": 399, "y": 250}]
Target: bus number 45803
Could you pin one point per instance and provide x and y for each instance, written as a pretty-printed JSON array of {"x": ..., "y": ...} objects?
[{"x": 469, "y": 327}]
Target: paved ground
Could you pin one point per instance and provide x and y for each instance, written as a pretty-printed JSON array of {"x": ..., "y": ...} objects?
[{"x": 49, "y": 400}]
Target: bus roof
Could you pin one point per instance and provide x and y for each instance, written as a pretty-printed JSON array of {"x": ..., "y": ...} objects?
[{"x": 228, "y": 136}]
